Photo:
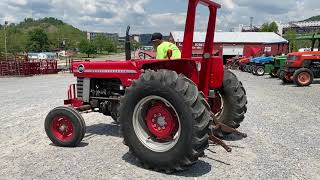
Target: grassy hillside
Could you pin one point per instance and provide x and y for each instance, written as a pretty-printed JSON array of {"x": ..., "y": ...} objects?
[
  {"x": 56, "y": 30},
  {"x": 314, "y": 18}
]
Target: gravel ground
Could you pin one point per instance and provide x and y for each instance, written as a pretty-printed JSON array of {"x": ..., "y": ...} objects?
[{"x": 282, "y": 123}]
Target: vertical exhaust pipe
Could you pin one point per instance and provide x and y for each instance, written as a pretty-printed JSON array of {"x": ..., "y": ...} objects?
[{"x": 128, "y": 44}]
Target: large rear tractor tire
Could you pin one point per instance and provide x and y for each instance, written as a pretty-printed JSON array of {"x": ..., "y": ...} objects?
[
  {"x": 303, "y": 77},
  {"x": 231, "y": 108},
  {"x": 65, "y": 126},
  {"x": 165, "y": 121}
]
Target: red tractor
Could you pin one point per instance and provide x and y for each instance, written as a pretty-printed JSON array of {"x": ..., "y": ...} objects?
[
  {"x": 168, "y": 110},
  {"x": 302, "y": 68}
]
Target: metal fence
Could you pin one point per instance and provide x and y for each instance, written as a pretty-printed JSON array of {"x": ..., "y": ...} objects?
[{"x": 22, "y": 66}]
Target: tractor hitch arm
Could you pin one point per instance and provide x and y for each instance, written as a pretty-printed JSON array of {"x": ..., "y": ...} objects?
[{"x": 213, "y": 137}]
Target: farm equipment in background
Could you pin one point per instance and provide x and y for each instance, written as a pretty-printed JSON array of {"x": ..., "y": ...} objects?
[
  {"x": 248, "y": 67},
  {"x": 302, "y": 67},
  {"x": 233, "y": 63},
  {"x": 22, "y": 66},
  {"x": 168, "y": 111},
  {"x": 277, "y": 68},
  {"x": 145, "y": 52},
  {"x": 243, "y": 62},
  {"x": 261, "y": 65}
]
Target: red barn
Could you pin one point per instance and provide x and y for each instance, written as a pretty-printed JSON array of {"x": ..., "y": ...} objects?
[{"x": 230, "y": 44}]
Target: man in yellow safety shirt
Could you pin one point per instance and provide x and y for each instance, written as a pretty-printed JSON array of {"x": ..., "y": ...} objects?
[{"x": 165, "y": 50}]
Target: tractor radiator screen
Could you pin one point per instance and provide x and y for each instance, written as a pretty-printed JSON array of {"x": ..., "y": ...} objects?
[{"x": 80, "y": 87}]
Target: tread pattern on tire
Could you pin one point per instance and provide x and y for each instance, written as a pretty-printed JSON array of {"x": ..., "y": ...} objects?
[
  {"x": 75, "y": 113},
  {"x": 233, "y": 92},
  {"x": 198, "y": 106}
]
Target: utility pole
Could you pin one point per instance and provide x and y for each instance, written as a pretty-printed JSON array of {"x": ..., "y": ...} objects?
[
  {"x": 251, "y": 23},
  {"x": 5, "y": 40}
]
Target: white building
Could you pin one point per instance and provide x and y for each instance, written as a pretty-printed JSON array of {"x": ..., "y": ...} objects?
[{"x": 42, "y": 56}]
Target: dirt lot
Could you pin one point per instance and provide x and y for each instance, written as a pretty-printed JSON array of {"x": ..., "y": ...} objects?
[{"x": 282, "y": 123}]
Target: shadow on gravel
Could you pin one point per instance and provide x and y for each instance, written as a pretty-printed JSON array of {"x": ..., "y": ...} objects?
[
  {"x": 316, "y": 82},
  {"x": 287, "y": 84},
  {"x": 82, "y": 144},
  {"x": 103, "y": 129},
  {"x": 269, "y": 77},
  {"x": 232, "y": 137},
  {"x": 199, "y": 169}
]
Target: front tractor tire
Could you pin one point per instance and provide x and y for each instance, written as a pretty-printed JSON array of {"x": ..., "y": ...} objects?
[
  {"x": 230, "y": 102},
  {"x": 254, "y": 70},
  {"x": 65, "y": 127},
  {"x": 259, "y": 71},
  {"x": 165, "y": 121},
  {"x": 303, "y": 77}
]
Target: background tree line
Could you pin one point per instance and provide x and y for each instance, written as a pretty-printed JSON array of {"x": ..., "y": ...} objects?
[
  {"x": 50, "y": 34},
  {"x": 291, "y": 35}
]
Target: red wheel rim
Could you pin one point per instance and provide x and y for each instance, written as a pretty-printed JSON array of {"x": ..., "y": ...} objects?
[
  {"x": 161, "y": 121},
  {"x": 62, "y": 128},
  {"x": 216, "y": 104},
  {"x": 304, "y": 78}
]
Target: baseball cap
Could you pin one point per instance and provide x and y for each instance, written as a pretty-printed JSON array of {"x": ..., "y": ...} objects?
[{"x": 156, "y": 36}]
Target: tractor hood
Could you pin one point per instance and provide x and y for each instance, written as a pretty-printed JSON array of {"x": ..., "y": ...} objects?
[
  {"x": 126, "y": 71},
  {"x": 281, "y": 57},
  {"x": 262, "y": 59}
]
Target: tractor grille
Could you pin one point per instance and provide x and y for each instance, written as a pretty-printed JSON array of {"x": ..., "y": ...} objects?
[{"x": 80, "y": 87}]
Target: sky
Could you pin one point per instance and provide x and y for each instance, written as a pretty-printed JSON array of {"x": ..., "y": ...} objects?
[{"x": 148, "y": 16}]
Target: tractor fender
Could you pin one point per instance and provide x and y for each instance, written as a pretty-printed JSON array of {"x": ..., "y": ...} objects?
[{"x": 189, "y": 68}]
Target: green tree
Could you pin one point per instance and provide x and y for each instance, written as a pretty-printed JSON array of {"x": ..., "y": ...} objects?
[
  {"x": 272, "y": 27},
  {"x": 38, "y": 40},
  {"x": 135, "y": 45},
  {"x": 104, "y": 44},
  {"x": 265, "y": 27},
  {"x": 87, "y": 47},
  {"x": 110, "y": 46},
  {"x": 291, "y": 36},
  {"x": 16, "y": 42},
  {"x": 100, "y": 42}
]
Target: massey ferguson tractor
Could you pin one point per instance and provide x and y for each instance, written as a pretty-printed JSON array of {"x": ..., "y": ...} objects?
[{"x": 168, "y": 110}]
